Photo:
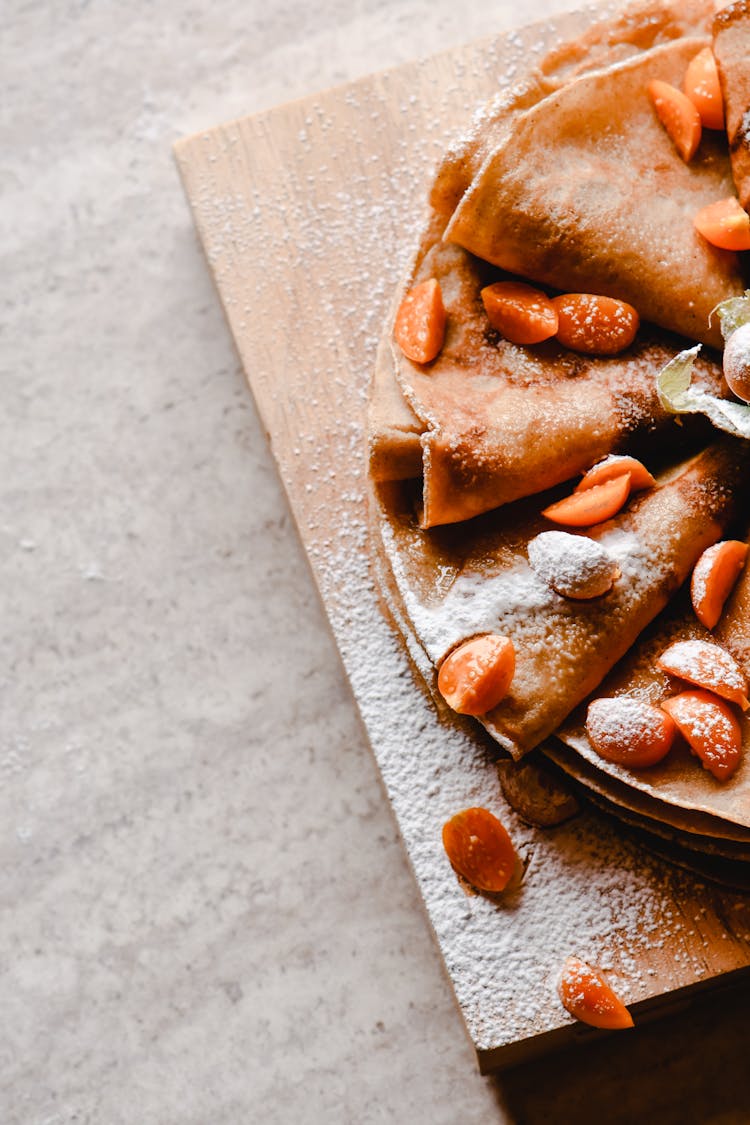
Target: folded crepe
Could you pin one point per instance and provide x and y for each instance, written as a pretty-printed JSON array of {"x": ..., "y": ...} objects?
[
  {"x": 586, "y": 193},
  {"x": 731, "y": 47},
  {"x": 454, "y": 583},
  {"x": 608, "y": 40},
  {"x": 394, "y": 430},
  {"x": 489, "y": 422},
  {"x": 679, "y": 779}
]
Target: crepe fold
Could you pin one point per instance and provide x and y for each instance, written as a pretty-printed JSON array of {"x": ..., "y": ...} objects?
[
  {"x": 678, "y": 782},
  {"x": 601, "y": 43},
  {"x": 731, "y": 47},
  {"x": 455, "y": 583},
  {"x": 489, "y": 422},
  {"x": 587, "y": 193}
]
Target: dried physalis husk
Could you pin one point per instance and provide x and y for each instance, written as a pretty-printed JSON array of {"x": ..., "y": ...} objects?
[{"x": 536, "y": 793}]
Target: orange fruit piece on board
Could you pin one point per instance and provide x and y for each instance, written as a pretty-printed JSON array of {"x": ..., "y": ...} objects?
[
  {"x": 704, "y": 90},
  {"x": 593, "y": 505},
  {"x": 520, "y": 313},
  {"x": 587, "y": 996},
  {"x": 615, "y": 465},
  {"x": 714, "y": 576},
  {"x": 629, "y": 731},
  {"x": 679, "y": 117},
  {"x": 595, "y": 325},
  {"x": 708, "y": 666},
  {"x": 724, "y": 224},
  {"x": 474, "y": 677},
  {"x": 710, "y": 729},
  {"x": 419, "y": 328},
  {"x": 480, "y": 849}
]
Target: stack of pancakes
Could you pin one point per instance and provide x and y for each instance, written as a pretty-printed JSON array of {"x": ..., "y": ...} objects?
[{"x": 571, "y": 182}]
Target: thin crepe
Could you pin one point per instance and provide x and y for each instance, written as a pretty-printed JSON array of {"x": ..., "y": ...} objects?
[
  {"x": 500, "y": 421},
  {"x": 679, "y": 779},
  {"x": 489, "y": 422},
  {"x": 608, "y": 40},
  {"x": 458, "y": 582},
  {"x": 731, "y": 47},
  {"x": 588, "y": 194}
]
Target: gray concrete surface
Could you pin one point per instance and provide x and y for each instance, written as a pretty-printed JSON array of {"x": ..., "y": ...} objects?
[{"x": 206, "y": 913}]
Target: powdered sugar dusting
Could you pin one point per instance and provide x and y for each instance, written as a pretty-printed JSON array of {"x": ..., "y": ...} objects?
[
  {"x": 336, "y": 215},
  {"x": 621, "y": 725},
  {"x": 572, "y": 565},
  {"x": 705, "y": 664}
]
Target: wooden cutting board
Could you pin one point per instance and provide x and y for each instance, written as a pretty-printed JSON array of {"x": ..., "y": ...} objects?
[{"x": 307, "y": 215}]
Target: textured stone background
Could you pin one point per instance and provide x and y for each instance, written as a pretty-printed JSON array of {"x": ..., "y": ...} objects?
[{"x": 206, "y": 913}]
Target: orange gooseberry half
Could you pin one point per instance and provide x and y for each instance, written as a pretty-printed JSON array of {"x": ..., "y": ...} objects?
[
  {"x": 628, "y": 731},
  {"x": 708, "y": 666},
  {"x": 519, "y": 312},
  {"x": 710, "y": 729},
  {"x": 584, "y": 993},
  {"x": 476, "y": 676},
  {"x": 595, "y": 325},
  {"x": 679, "y": 117},
  {"x": 419, "y": 328},
  {"x": 480, "y": 849},
  {"x": 724, "y": 224},
  {"x": 592, "y": 505},
  {"x": 714, "y": 577},
  {"x": 616, "y": 465},
  {"x": 703, "y": 88}
]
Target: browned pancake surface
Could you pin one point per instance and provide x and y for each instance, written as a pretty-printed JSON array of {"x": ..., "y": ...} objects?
[
  {"x": 731, "y": 46},
  {"x": 678, "y": 780},
  {"x": 455, "y": 583},
  {"x": 587, "y": 193}
]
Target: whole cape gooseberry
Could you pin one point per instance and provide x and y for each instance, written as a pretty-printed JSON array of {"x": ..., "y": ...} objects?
[{"x": 737, "y": 362}]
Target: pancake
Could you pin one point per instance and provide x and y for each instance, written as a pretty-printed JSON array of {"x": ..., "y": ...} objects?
[
  {"x": 500, "y": 421},
  {"x": 489, "y": 421},
  {"x": 679, "y": 779},
  {"x": 588, "y": 194},
  {"x": 731, "y": 47},
  {"x": 467, "y": 450},
  {"x": 697, "y": 829},
  {"x": 720, "y": 864},
  {"x": 457, "y": 582},
  {"x": 394, "y": 430},
  {"x": 608, "y": 40}
]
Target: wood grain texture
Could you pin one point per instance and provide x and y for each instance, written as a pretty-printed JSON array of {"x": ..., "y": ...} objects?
[{"x": 307, "y": 215}]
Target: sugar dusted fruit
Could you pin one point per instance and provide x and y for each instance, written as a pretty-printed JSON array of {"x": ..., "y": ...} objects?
[
  {"x": 480, "y": 849},
  {"x": 573, "y": 565},
  {"x": 628, "y": 731},
  {"x": 710, "y": 728},
  {"x": 714, "y": 575},
  {"x": 706, "y": 665},
  {"x": 475, "y": 677},
  {"x": 584, "y": 993}
]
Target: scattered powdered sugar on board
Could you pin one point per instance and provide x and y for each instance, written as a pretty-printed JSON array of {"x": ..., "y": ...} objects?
[
  {"x": 334, "y": 218},
  {"x": 585, "y": 890}
]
